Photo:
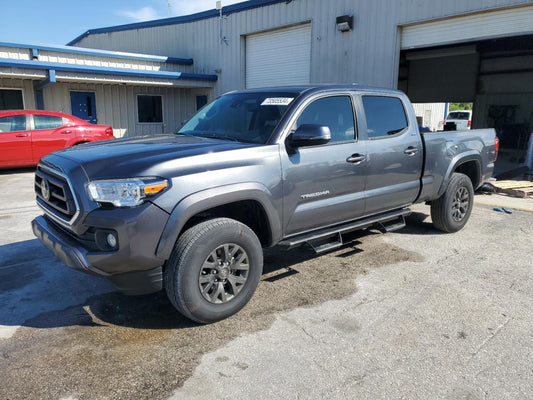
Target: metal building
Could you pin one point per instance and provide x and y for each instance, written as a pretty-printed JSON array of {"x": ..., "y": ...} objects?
[
  {"x": 478, "y": 51},
  {"x": 135, "y": 93}
]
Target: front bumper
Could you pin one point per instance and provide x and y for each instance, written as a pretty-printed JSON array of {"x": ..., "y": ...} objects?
[
  {"x": 133, "y": 267},
  {"x": 64, "y": 248}
]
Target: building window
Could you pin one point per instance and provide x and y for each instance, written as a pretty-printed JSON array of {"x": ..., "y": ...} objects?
[
  {"x": 150, "y": 108},
  {"x": 11, "y": 99},
  {"x": 376, "y": 107},
  {"x": 200, "y": 102}
]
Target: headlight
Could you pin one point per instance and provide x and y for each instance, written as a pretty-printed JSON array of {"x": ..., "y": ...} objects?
[{"x": 126, "y": 192}]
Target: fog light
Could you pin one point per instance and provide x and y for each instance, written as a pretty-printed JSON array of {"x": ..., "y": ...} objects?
[{"x": 111, "y": 240}]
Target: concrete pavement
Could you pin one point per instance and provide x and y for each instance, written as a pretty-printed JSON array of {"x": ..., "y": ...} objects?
[
  {"x": 414, "y": 314},
  {"x": 454, "y": 323}
]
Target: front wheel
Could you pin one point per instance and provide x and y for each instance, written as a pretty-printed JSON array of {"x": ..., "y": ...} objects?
[
  {"x": 451, "y": 211},
  {"x": 214, "y": 270}
]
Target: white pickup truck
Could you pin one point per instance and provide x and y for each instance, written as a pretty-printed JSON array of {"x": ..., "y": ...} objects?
[{"x": 461, "y": 118}]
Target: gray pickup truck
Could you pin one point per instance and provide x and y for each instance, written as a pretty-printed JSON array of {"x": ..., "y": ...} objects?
[{"x": 191, "y": 211}]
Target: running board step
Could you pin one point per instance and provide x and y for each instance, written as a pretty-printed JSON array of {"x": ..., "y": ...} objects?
[
  {"x": 326, "y": 244},
  {"x": 394, "y": 225},
  {"x": 325, "y": 233}
]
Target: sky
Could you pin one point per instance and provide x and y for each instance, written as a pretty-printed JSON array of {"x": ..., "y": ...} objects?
[{"x": 60, "y": 21}]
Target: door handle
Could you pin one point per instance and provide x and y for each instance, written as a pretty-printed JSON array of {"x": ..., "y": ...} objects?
[
  {"x": 21, "y": 135},
  {"x": 411, "y": 151},
  {"x": 356, "y": 158},
  {"x": 66, "y": 132}
]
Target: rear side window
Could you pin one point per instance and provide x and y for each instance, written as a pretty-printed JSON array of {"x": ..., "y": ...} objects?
[
  {"x": 385, "y": 116},
  {"x": 47, "y": 122},
  {"x": 13, "y": 123},
  {"x": 459, "y": 115},
  {"x": 334, "y": 112}
]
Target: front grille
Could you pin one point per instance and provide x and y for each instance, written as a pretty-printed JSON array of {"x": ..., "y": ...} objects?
[{"x": 54, "y": 194}]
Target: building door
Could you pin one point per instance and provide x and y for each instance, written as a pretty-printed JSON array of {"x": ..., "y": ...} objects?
[
  {"x": 83, "y": 105},
  {"x": 281, "y": 57}
]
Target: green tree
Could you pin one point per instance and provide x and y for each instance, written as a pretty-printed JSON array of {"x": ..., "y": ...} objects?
[{"x": 461, "y": 106}]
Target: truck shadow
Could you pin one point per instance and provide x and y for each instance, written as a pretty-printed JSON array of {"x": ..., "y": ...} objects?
[
  {"x": 13, "y": 171},
  {"x": 40, "y": 292},
  {"x": 152, "y": 311},
  {"x": 419, "y": 224}
]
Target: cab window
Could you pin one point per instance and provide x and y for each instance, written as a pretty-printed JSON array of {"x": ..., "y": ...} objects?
[
  {"x": 385, "y": 116},
  {"x": 335, "y": 112}
]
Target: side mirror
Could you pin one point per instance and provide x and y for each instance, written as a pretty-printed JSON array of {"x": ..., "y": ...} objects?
[{"x": 309, "y": 135}]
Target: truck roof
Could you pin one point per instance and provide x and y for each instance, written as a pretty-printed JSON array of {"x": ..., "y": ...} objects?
[{"x": 297, "y": 90}]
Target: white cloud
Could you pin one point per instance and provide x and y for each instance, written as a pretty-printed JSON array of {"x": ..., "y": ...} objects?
[{"x": 142, "y": 14}]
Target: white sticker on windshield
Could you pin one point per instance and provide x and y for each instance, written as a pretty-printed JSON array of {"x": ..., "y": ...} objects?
[{"x": 277, "y": 101}]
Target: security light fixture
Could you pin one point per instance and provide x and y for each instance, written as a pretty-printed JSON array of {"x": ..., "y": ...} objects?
[{"x": 345, "y": 23}]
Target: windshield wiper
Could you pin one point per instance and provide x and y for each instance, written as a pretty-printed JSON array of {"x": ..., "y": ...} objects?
[{"x": 215, "y": 136}]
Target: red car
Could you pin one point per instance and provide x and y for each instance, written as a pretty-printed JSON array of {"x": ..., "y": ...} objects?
[{"x": 28, "y": 135}]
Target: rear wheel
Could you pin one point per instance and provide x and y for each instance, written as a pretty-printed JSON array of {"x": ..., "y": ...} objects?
[
  {"x": 214, "y": 270},
  {"x": 451, "y": 211}
]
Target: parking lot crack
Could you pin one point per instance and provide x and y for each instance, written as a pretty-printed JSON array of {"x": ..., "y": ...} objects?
[
  {"x": 491, "y": 336},
  {"x": 307, "y": 333}
]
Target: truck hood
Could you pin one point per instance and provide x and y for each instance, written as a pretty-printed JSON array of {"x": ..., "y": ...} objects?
[{"x": 155, "y": 155}]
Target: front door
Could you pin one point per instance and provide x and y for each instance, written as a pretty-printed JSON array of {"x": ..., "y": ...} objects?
[
  {"x": 83, "y": 105},
  {"x": 15, "y": 141},
  {"x": 324, "y": 185}
]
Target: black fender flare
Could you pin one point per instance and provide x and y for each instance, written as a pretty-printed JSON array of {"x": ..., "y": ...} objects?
[
  {"x": 207, "y": 199},
  {"x": 459, "y": 159}
]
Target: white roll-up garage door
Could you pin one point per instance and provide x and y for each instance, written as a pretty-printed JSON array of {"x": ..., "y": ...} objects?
[
  {"x": 281, "y": 57},
  {"x": 487, "y": 25}
]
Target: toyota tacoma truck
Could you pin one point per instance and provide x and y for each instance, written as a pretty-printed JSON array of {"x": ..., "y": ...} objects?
[{"x": 191, "y": 212}]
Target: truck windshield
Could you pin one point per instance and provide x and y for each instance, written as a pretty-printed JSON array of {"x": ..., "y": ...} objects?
[{"x": 242, "y": 117}]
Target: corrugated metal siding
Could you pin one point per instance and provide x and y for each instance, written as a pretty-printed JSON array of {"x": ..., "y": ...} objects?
[
  {"x": 281, "y": 57},
  {"x": 15, "y": 53},
  {"x": 10, "y": 72},
  {"x": 117, "y": 106},
  {"x": 367, "y": 55},
  {"x": 94, "y": 61},
  {"x": 432, "y": 114},
  {"x": 119, "y": 79},
  {"x": 28, "y": 95},
  {"x": 495, "y": 24}
]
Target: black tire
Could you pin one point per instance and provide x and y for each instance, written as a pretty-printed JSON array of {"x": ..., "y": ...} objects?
[
  {"x": 451, "y": 211},
  {"x": 214, "y": 270}
]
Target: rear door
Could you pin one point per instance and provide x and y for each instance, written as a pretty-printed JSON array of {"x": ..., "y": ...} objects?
[
  {"x": 49, "y": 133},
  {"x": 394, "y": 153},
  {"x": 15, "y": 141},
  {"x": 324, "y": 185}
]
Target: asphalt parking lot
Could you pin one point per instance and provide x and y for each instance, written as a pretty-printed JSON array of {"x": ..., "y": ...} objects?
[{"x": 414, "y": 314}]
